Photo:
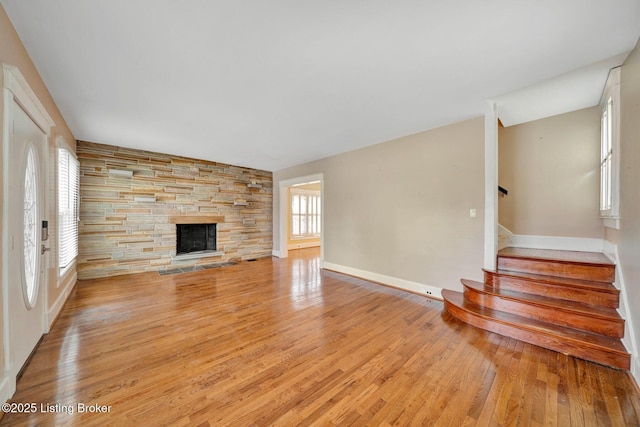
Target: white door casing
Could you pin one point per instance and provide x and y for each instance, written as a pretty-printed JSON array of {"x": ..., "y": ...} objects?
[
  {"x": 26, "y": 127},
  {"x": 283, "y": 212},
  {"x": 26, "y": 286}
]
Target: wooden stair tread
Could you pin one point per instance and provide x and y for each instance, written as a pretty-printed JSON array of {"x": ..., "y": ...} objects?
[
  {"x": 555, "y": 280},
  {"x": 575, "y": 265},
  {"x": 569, "y": 257},
  {"x": 560, "y": 300},
  {"x": 589, "y": 339},
  {"x": 555, "y": 303}
]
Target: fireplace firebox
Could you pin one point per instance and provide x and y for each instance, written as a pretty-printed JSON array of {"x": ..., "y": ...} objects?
[{"x": 195, "y": 238}]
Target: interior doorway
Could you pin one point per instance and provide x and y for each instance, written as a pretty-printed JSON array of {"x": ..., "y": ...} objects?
[
  {"x": 304, "y": 214},
  {"x": 309, "y": 210}
]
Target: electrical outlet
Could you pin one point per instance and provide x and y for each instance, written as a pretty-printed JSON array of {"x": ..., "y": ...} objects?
[{"x": 472, "y": 213}]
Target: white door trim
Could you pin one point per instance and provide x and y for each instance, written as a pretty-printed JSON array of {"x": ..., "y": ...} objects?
[
  {"x": 490, "y": 187},
  {"x": 14, "y": 82},
  {"x": 283, "y": 211},
  {"x": 15, "y": 87}
]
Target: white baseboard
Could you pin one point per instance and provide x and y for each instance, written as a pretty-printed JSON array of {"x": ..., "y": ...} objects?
[
  {"x": 419, "y": 288},
  {"x": 629, "y": 341},
  {"x": 55, "y": 309},
  {"x": 303, "y": 245},
  {"x": 7, "y": 386},
  {"x": 609, "y": 250},
  {"x": 504, "y": 230},
  {"x": 276, "y": 253},
  {"x": 580, "y": 244},
  {"x": 635, "y": 369},
  {"x": 624, "y": 309}
]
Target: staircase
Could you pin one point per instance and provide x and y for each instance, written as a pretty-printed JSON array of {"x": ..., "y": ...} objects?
[{"x": 560, "y": 300}]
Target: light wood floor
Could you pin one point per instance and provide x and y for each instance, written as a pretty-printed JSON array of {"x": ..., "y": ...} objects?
[{"x": 281, "y": 342}]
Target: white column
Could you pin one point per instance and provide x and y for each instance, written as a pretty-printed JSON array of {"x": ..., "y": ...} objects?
[{"x": 490, "y": 186}]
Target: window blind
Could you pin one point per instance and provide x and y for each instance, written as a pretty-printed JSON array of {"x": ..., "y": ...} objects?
[
  {"x": 305, "y": 213},
  {"x": 68, "y": 207}
]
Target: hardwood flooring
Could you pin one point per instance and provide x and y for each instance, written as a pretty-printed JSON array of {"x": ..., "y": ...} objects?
[{"x": 282, "y": 342}]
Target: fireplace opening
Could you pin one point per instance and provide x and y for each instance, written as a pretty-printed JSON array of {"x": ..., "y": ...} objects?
[{"x": 195, "y": 238}]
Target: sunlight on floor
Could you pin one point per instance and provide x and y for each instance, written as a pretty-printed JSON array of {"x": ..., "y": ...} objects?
[{"x": 306, "y": 283}]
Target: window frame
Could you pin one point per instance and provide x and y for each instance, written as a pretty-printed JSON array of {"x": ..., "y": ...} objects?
[
  {"x": 315, "y": 215},
  {"x": 609, "y": 200},
  {"x": 73, "y": 206}
]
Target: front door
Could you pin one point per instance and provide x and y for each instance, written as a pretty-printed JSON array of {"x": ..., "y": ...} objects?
[{"x": 25, "y": 212}]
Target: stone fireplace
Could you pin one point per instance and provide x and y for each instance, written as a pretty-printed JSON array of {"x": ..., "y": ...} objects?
[{"x": 129, "y": 222}]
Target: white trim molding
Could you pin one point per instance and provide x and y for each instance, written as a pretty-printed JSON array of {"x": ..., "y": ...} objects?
[
  {"x": 580, "y": 244},
  {"x": 196, "y": 255},
  {"x": 15, "y": 82},
  {"x": 283, "y": 212},
  {"x": 6, "y": 389},
  {"x": 504, "y": 230},
  {"x": 490, "y": 186},
  {"x": 504, "y": 237},
  {"x": 395, "y": 282},
  {"x": 56, "y": 307},
  {"x": 612, "y": 92},
  {"x": 609, "y": 249},
  {"x": 15, "y": 88},
  {"x": 611, "y": 222},
  {"x": 62, "y": 143},
  {"x": 629, "y": 341}
]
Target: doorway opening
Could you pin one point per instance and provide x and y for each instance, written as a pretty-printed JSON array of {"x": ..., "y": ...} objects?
[
  {"x": 301, "y": 214},
  {"x": 304, "y": 216}
]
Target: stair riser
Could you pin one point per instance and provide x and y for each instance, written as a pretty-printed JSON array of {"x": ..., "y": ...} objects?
[
  {"x": 562, "y": 345},
  {"x": 596, "y": 273},
  {"x": 560, "y": 291},
  {"x": 609, "y": 327}
]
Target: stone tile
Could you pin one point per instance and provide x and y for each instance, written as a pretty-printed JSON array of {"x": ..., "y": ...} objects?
[{"x": 119, "y": 236}]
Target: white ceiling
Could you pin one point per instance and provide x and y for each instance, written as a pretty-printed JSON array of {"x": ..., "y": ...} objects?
[{"x": 271, "y": 84}]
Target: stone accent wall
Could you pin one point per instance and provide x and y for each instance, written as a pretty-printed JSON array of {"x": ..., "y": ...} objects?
[{"x": 120, "y": 233}]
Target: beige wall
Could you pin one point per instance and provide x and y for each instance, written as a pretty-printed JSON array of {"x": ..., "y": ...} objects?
[
  {"x": 401, "y": 208},
  {"x": 551, "y": 169},
  {"x": 612, "y": 235},
  {"x": 629, "y": 248},
  {"x": 12, "y": 52}
]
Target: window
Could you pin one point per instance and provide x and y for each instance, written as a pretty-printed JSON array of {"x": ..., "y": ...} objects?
[
  {"x": 606, "y": 152},
  {"x": 609, "y": 149},
  {"x": 68, "y": 208},
  {"x": 30, "y": 215},
  {"x": 305, "y": 213}
]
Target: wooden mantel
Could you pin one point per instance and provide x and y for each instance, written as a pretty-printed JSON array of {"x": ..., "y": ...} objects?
[{"x": 196, "y": 219}]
